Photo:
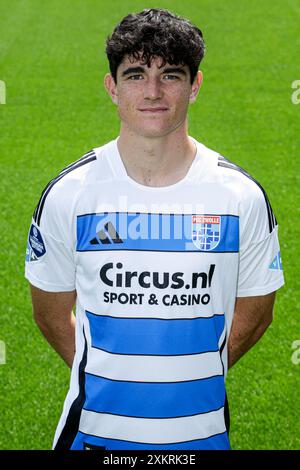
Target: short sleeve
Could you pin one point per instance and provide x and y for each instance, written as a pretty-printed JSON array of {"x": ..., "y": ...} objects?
[
  {"x": 49, "y": 261},
  {"x": 260, "y": 264}
]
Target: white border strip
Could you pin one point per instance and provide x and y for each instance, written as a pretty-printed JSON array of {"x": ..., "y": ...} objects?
[
  {"x": 153, "y": 368},
  {"x": 156, "y": 431}
]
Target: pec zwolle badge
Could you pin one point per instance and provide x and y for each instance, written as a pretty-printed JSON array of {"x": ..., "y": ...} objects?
[{"x": 206, "y": 231}]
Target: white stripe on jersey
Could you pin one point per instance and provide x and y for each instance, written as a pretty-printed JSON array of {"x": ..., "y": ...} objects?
[
  {"x": 156, "y": 431},
  {"x": 153, "y": 368}
]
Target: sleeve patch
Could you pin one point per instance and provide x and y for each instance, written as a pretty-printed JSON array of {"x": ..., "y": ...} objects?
[{"x": 35, "y": 246}]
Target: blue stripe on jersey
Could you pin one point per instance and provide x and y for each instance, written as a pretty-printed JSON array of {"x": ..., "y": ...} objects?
[
  {"x": 156, "y": 232},
  {"x": 154, "y": 400},
  {"x": 155, "y": 336},
  {"x": 217, "y": 442}
]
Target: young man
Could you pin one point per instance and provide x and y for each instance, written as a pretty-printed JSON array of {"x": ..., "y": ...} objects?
[{"x": 169, "y": 250}]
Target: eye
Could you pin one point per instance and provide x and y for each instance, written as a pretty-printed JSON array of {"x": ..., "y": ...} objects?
[
  {"x": 172, "y": 77},
  {"x": 135, "y": 77}
]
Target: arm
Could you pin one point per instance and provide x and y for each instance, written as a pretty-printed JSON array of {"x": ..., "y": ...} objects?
[
  {"x": 252, "y": 316},
  {"x": 53, "y": 314}
]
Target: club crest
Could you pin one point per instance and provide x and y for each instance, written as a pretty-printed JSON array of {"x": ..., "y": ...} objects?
[{"x": 206, "y": 231}]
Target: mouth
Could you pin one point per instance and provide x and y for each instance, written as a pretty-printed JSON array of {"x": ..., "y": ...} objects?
[{"x": 153, "y": 110}]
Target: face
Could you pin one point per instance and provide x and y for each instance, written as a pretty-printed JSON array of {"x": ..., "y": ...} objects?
[{"x": 152, "y": 101}]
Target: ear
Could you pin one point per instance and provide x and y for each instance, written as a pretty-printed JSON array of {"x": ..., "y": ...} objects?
[
  {"x": 196, "y": 87},
  {"x": 111, "y": 87}
]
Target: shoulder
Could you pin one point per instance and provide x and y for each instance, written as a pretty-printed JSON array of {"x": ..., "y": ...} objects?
[
  {"x": 234, "y": 182},
  {"x": 253, "y": 197},
  {"x": 232, "y": 176},
  {"x": 63, "y": 190}
]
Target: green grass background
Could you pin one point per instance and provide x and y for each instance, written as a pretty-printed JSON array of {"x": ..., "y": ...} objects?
[{"x": 53, "y": 61}]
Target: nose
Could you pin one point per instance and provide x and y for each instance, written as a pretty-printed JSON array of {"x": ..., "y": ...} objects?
[{"x": 152, "y": 89}]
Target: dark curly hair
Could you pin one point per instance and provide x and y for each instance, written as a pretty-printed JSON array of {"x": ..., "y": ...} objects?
[{"x": 155, "y": 32}]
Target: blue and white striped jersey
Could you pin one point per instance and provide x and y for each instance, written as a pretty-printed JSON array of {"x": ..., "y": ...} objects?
[{"x": 157, "y": 271}]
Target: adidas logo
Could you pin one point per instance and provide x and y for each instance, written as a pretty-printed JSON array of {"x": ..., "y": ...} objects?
[
  {"x": 106, "y": 236},
  {"x": 276, "y": 263}
]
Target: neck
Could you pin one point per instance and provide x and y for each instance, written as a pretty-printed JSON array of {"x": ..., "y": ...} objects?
[{"x": 156, "y": 161}]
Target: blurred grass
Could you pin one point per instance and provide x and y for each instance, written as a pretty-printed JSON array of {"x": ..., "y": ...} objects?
[{"x": 53, "y": 61}]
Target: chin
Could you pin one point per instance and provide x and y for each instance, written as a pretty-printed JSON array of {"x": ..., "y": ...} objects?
[
  {"x": 158, "y": 133},
  {"x": 152, "y": 131}
]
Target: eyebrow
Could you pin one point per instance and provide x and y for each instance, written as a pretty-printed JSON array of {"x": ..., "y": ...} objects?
[{"x": 141, "y": 70}]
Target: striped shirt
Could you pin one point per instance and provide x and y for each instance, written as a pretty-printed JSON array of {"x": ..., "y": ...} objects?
[{"x": 157, "y": 271}]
